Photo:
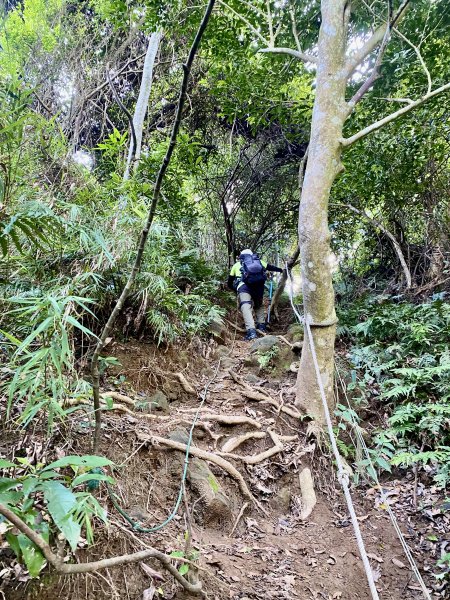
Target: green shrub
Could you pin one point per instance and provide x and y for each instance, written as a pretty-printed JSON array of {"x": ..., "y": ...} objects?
[
  {"x": 51, "y": 503},
  {"x": 400, "y": 355}
]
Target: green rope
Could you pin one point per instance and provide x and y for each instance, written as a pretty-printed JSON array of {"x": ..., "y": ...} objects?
[{"x": 155, "y": 528}]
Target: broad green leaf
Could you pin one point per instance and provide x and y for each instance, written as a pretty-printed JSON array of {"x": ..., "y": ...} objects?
[
  {"x": 91, "y": 477},
  {"x": 6, "y": 483},
  {"x": 13, "y": 544},
  {"x": 29, "y": 485},
  {"x": 183, "y": 569},
  {"x": 79, "y": 326},
  {"x": 60, "y": 503},
  {"x": 383, "y": 463},
  {"x": 11, "y": 498},
  {"x": 6, "y": 464},
  {"x": 80, "y": 461},
  {"x": 32, "y": 556}
]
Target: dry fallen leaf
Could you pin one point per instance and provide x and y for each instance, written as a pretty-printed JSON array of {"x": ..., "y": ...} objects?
[
  {"x": 398, "y": 563},
  {"x": 375, "y": 557},
  {"x": 149, "y": 593}
]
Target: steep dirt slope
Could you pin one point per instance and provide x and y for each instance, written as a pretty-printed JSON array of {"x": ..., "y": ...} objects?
[{"x": 270, "y": 552}]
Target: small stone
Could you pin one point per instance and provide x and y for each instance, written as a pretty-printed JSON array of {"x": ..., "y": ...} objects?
[
  {"x": 179, "y": 435},
  {"x": 295, "y": 333},
  {"x": 218, "y": 331},
  {"x": 227, "y": 363},
  {"x": 282, "y": 499},
  {"x": 159, "y": 401},
  {"x": 221, "y": 352},
  {"x": 251, "y": 378},
  {"x": 265, "y": 343},
  {"x": 251, "y": 361}
]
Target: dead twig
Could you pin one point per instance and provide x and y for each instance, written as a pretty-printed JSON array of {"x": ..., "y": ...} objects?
[{"x": 239, "y": 517}]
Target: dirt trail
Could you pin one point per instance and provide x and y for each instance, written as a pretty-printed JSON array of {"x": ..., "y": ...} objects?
[{"x": 271, "y": 554}]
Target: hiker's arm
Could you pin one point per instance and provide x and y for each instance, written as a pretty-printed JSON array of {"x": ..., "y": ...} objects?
[
  {"x": 274, "y": 268},
  {"x": 231, "y": 280}
]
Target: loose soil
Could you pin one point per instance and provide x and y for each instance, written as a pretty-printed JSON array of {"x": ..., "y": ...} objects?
[{"x": 273, "y": 555}]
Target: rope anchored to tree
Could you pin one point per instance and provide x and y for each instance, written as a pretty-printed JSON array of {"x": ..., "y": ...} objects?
[{"x": 342, "y": 474}]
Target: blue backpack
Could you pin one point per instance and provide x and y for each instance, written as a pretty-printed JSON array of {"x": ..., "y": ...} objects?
[{"x": 252, "y": 269}]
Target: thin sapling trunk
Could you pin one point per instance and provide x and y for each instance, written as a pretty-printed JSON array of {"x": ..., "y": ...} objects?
[{"x": 95, "y": 374}]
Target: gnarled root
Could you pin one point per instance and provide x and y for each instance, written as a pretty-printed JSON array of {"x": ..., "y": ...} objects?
[
  {"x": 119, "y": 397},
  {"x": 251, "y": 394},
  {"x": 199, "y": 453},
  {"x": 254, "y": 459},
  {"x": 187, "y": 387},
  {"x": 234, "y": 442}
]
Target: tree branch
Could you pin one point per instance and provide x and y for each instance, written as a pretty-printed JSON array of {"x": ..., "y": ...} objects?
[
  {"x": 375, "y": 74},
  {"x": 95, "y": 374},
  {"x": 389, "y": 235},
  {"x": 270, "y": 48},
  {"x": 294, "y": 30},
  {"x": 244, "y": 20},
  {"x": 125, "y": 110},
  {"x": 357, "y": 58},
  {"x": 89, "y": 567},
  {"x": 295, "y": 53},
  {"x": 405, "y": 109},
  {"x": 419, "y": 56}
]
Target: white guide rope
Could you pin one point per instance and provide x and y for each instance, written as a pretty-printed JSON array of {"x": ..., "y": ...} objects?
[
  {"x": 384, "y": 499},
  {"x": 342, "y": 475}
]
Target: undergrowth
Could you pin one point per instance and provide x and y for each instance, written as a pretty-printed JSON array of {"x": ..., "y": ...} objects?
[{"x": 399, "y": 354}]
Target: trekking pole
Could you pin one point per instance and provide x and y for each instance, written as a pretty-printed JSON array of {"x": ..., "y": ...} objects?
[{"x": 270, "y": 298}]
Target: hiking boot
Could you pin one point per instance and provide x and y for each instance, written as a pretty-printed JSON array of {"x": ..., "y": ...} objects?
[
  {"x": 251, "y": 334},
  {"x": 261, "y": 326}
]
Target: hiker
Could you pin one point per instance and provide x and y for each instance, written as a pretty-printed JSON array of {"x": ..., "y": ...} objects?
[{"x": 247, "y": 278}]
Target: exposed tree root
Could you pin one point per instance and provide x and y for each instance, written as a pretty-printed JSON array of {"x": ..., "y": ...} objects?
[
  {"x": 308, "y": 494},
  {"x": 250, "y": 393},
  {"x": 261, "y": 333},
  {"x": 199, "y": 453},
  {"x": 81, "y": 403},
  {"x": 283, "y": 339},
  {"x": 187, "y": 387},
  {"x": 232, "y": 443},
  {"x": 227, "y": 419},
  {"x": 68, "y": 569},
  {"x": 254, "y": 459},
  {"x": 119, "y": 397},
  {"x": 233, "y": 420}
]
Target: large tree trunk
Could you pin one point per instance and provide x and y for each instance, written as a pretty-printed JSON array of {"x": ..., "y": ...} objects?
[{"x": 324, "y": 164}]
